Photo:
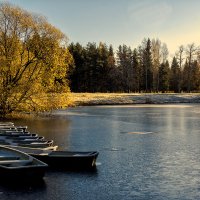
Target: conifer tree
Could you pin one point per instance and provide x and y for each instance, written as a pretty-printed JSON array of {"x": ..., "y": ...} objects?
[
  {"x": 136, "y": 71},
  {"x": 76, "y": 72},
  {"x": 147, "y": 66},
  {"x": 164, "y": 72},
  {"x": 175, "y": 76}
]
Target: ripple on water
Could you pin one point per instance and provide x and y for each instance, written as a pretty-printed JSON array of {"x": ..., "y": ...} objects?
[
  {"x": 137, "y": 132},
  {"x": 98, "y": 163},
  {"x": 114, "y": 149},
  {"x": 140, "y": 132}
]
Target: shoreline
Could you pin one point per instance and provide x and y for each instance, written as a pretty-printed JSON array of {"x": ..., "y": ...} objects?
[
  {"x": 92, "y": 99},
  {"x": 103, "y": 99}
]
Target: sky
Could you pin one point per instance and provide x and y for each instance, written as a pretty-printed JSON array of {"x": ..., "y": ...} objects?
[{"x": 117, "y": 22}]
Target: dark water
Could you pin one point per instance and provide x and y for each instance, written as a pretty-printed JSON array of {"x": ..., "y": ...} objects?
[{"x": 146, "y": 152}]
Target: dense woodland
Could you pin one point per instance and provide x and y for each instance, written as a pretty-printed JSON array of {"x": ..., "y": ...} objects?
[{"x": 97, "y": 68}]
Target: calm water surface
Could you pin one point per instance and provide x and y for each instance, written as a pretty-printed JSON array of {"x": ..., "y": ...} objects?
[{"x": 146, "y": 152}]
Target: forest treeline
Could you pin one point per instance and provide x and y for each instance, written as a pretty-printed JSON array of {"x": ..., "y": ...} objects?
[{"x": 97, "y": 68}]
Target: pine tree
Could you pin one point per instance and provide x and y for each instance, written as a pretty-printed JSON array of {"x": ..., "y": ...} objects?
[
  {"x": 164, "y": 72},
  {"x": 147, "y": 66},
  {"x": 136, "y": 84},
  {"x": 113, "y": 73},
  {"x": 124, "y": 62},
  {"x": 175, "y": 76},
  {"x": 103, "y": 68},
  {"x": 195, "y": 73},
  {"x": 77, "y": 69},
  {"x": 91, "y": 68}
]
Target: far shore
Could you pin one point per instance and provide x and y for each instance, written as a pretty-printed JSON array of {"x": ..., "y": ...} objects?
[
  {"x": 97, "y": 99},
  {"x": 89, "y": 99}
]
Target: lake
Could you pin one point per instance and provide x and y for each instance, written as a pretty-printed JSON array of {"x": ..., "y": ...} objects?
[{"x": 145, "y": 152}]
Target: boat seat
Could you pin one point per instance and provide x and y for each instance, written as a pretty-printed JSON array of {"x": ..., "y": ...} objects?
[
  {"x": 44, "y": 154},
  {"x": 21, "y": 162},
  {"x": 2, "y": 158},
  {"x": 78, "y": 155}
]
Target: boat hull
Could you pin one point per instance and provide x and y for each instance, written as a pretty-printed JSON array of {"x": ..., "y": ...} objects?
[
  {"x": 22, "y": 174},
  {"x": 69, "y": 160},
  {"x": 17, "y": 165}
]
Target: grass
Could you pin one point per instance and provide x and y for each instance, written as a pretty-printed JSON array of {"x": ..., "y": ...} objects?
[{"x": 132, "y": 98}]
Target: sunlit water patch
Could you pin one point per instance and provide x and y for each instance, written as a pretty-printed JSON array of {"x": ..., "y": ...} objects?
[
  {"x": 137, "y": 132},
  {"x": 114, "y": 149},
  {"x": 98, "y": 163}
]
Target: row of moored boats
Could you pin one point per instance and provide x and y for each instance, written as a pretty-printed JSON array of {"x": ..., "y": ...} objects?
[{"x": 27, "y": 155}]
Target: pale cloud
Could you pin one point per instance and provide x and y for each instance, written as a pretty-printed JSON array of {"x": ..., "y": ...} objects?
[{"x": 149, "y": 13}]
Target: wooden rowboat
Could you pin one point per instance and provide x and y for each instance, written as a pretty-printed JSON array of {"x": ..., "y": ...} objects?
[
  {"x": 68, "y": 159},
  {"x": 32, "y": 144},
  {"x": 29, "y": 149},
  {"x": 17, "y": 165},
  {"x": 16, "y": 134},
  {"x": 71, "y": 160},
  {"x": 21, "y": 137}
]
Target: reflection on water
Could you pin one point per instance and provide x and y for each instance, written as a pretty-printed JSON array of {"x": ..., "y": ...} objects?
[
  {"x": 146, "y": 152},
  {"x": 56, "y": 128}
]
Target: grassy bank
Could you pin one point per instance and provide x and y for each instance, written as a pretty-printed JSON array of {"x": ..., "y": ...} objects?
[
  {"x": 132, "y": 98},
  {"x": 58, "y": 101}
]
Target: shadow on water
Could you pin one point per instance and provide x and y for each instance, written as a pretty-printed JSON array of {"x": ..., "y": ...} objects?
[
  {"x": 22, "y": 185},
  {"x": 85, "y": 170},
  {"x": 19, "y": 190}
]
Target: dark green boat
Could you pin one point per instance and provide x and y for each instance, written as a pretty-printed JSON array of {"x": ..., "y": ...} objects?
[
  {"x": 69, "y": 160},
  {"x": 17, "y": 165}
]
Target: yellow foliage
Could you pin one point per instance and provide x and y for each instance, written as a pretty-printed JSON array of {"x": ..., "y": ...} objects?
[
  {"x": 45, "y": 102},
  {"x": 34, "y": 60}
]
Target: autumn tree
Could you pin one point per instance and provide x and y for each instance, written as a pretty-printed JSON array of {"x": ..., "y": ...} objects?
[
  {"x": 33, "y": 60},
  {"x": 179, "y": 56},
  {"x": 156, "y": 59},
  {"x": 191, "y": 51}
]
